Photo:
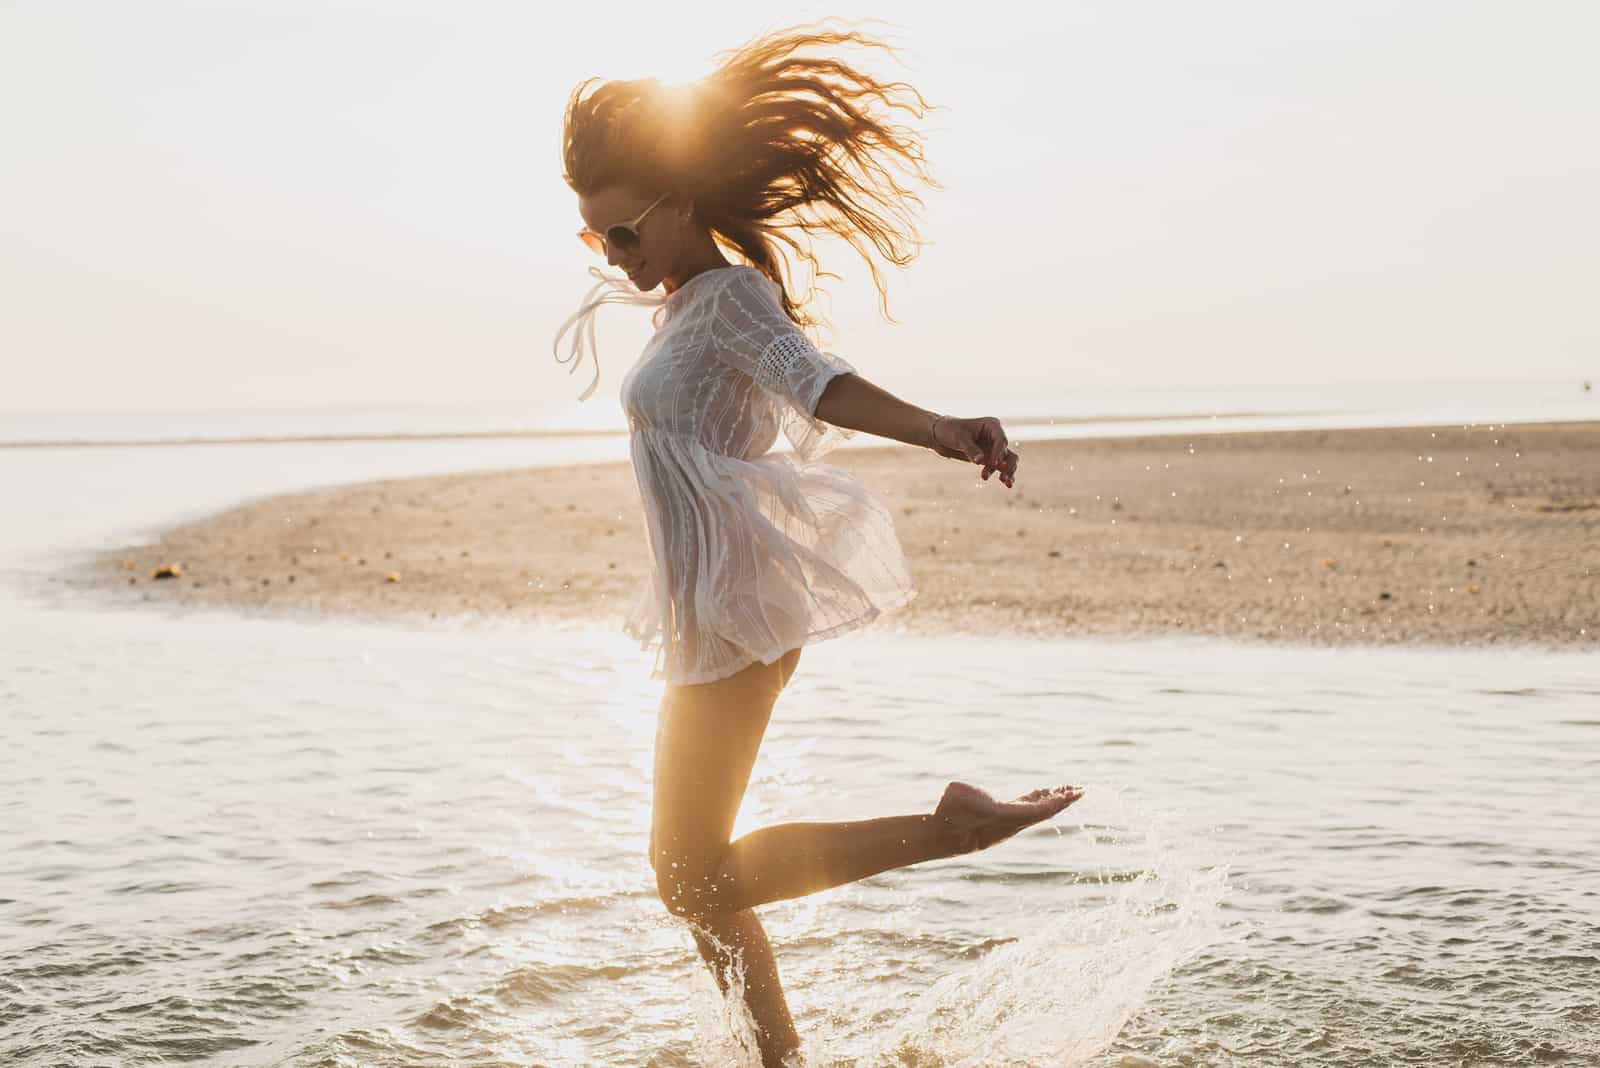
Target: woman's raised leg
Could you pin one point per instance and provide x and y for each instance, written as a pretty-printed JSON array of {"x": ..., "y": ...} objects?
[
  {"x": 706, "y": 744},
  {"x": 789, "y": 860}
]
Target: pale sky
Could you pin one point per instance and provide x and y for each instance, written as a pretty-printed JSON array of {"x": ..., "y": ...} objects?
[{"x": 272, "y": 203}]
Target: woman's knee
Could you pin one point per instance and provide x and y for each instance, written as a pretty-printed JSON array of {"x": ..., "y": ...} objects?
[{"x": 689, "y": 887}]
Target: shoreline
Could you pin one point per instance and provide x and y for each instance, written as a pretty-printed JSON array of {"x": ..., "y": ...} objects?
[
  {"x": 600, "y": 432},
  {"x": 1443, "y": 535}
]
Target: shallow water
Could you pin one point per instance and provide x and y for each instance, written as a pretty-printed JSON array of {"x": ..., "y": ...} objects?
[
  {"x": 243, "y": 841},
  {"x": 253, "y": 842}
]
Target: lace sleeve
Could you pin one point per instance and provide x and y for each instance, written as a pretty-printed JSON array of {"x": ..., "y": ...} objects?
[{"x": 751, "y": 332}]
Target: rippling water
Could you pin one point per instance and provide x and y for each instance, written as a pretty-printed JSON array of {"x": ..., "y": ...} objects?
[
  {"x": 250, "y": 842},
  {"x": 238, "y": 841}
]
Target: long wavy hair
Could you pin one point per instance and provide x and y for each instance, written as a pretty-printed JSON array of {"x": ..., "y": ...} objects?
[{"x": 773, "y": 142}]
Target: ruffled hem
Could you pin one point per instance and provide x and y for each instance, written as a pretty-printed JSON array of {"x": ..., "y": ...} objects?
[
  {"x": 770, "y": 656},
  {"x": 755, "y": 557}
]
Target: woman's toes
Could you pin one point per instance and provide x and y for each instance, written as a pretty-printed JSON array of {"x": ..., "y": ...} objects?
[{"x": 1051, "y": 793}]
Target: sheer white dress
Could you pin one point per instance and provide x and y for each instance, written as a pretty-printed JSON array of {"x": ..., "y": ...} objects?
[{"x": 754, "y": 552}]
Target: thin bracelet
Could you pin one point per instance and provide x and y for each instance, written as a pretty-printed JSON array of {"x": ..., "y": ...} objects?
[{"x": 933, "y": 442}]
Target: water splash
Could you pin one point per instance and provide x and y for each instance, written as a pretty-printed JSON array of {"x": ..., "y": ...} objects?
[
  {"x": 724, "y": 1030},
  {"x": 1057, "y": 995},
  {"x": 1060, "y": 994}
]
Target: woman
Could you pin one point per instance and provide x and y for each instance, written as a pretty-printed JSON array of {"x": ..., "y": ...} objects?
[{"x": 756, "y": 554}]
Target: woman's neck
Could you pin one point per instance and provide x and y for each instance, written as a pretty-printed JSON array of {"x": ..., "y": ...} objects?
[{"x": 708, "y": 258}]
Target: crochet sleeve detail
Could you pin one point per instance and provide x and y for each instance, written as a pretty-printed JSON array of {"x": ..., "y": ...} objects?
[{"x": 752, "y": 333}]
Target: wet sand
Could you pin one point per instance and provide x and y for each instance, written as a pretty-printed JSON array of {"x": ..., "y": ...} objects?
[{"x": 1442, "y": 535}]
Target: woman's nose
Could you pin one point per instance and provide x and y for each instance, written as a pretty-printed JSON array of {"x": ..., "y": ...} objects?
[{"x": 611, "y": 256}]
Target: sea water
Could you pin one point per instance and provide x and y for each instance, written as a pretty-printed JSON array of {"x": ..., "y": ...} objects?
[
  {"x": 250, "y": 842},
  {"x": 244, "y": 841}
]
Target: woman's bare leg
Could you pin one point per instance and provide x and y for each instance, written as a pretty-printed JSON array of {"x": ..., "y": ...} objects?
[
  {"x": 706, "y": 745},
  {"x": 790, "y": 860},
  {"x": 741, "y": 933}
]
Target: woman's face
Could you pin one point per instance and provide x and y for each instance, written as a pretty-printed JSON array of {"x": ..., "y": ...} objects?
[{"x": 660, "y": 234}]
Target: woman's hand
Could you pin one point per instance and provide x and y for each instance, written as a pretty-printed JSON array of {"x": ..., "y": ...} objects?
[{"x": 979, "y": 441}]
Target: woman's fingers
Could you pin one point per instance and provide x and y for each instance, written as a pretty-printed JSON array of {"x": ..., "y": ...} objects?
[
  {"x": 994, "y": 450},
  {"x": 1007, "y": 467},
  {"x": 986, "y": 445},
  {"x": 995, "y": 435}
]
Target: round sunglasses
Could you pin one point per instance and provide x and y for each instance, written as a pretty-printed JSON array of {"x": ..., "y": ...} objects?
[{"x": 623, "y": 235}]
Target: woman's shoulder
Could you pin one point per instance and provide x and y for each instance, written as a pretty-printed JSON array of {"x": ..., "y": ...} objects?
[
  {"x": 709, "y": 287},
  {"x": 741, "y": 290},
  {"x": 734, "y": 278},
  {"x": 727, "y": 294}
]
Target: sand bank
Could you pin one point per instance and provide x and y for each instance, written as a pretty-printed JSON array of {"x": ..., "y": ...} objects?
[{"x": 1443, "y": 535}]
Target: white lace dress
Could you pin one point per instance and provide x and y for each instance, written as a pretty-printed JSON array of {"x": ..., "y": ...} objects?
[{"x": 754, "y": 553}]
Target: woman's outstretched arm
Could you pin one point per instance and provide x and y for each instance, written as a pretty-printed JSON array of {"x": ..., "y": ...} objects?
[
  {"x": 854, "y": 403},
  {"x": 851, "y": 401}
]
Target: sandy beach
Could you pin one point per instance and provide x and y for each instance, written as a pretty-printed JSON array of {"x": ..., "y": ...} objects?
[{"x": 1444, "y": 535}]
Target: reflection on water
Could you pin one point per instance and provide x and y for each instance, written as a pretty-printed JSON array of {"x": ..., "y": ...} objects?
[{"x": 252, "y": 842}]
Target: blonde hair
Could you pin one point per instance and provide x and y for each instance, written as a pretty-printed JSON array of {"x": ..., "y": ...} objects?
[{"x": 771, "y": 142}]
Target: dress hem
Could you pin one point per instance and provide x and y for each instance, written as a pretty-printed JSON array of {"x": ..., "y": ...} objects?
[{"x": 771, "y": 656}]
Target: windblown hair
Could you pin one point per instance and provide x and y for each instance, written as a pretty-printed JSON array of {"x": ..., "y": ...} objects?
[{"x": 772, "y": 141}]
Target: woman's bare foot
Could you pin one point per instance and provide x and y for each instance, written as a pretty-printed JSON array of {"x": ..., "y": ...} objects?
[{"x": 975, "y": 820}]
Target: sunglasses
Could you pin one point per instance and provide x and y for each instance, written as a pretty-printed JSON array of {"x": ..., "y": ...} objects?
[{"x": 623, "y": 235}]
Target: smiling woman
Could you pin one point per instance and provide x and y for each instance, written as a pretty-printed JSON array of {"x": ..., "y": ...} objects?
[{"x": 756, "y": 554}]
